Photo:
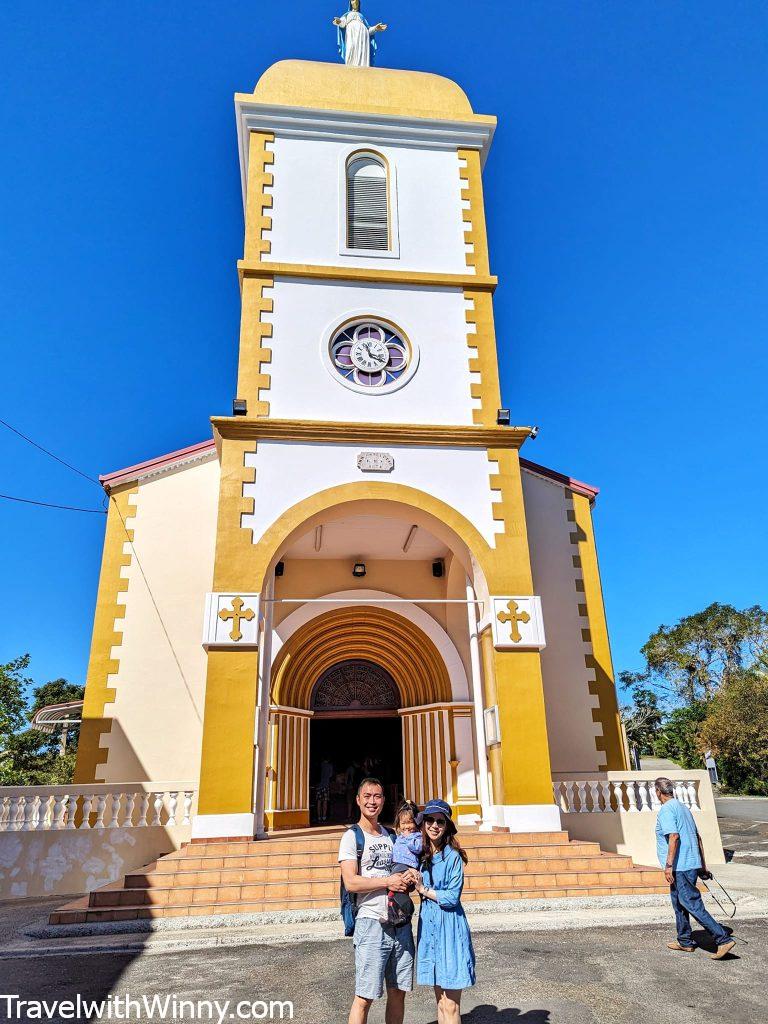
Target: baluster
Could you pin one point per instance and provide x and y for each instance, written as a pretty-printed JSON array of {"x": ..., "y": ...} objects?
[
  {"x": 101, "y": 805},
  {"x": 130, "y": 803},
  {"x": 87, "y": 804},
  {"x": 693, "y": 801},
  {"x": 605, "y": 793},
  {"x": 581, "y": 787},
  {"x": 47, "y": 812},
  {"x": 114, "y": 821},
  {"x": 569, "y": 797},
  {"x": 59, "y": 811},
  {"x": 142, "y": 822},
  {"x": 631, "y": 796},
  {"x": 158, "y": 805},
  {"x": 594, "y": 790},
  {"x": 31, "y": 811},
  {"x": 679, "y": 791},
  {"x": 655, "y": 802},
  {"x": 188, "y": 795},
  {"x": 173, "y": 799},
  {"x": 4, "y": 814},
  {"x": 643, "y": 787},
  {"x": 72, "y": 810}
]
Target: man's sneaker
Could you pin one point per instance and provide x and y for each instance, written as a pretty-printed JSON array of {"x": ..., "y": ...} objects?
[
  {"x": 722, "y": 950},
  {"x": 682, "y": 949}
]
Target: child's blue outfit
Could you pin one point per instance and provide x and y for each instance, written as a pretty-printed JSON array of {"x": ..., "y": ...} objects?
[{"x": 406, "y": 853}]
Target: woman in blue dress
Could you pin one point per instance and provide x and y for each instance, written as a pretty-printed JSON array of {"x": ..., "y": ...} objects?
[{"x": 444, "y": 955}]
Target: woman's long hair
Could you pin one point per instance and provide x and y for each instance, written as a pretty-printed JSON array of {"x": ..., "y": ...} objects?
[{"x": 448, "y": 838}]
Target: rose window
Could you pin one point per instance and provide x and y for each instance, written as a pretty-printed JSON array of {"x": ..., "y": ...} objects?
[{"x": 370, "y": 355}]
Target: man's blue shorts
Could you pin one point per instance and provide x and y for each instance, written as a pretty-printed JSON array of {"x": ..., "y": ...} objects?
[{"x": 383, "y": 954}]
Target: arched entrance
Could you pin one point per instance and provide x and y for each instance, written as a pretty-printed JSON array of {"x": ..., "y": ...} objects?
[
  {"x": 356, "y": 731},
  {"x": 363, "y": 681}
]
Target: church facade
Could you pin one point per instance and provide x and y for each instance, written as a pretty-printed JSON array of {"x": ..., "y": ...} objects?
[{"x": 359, "y": 567}]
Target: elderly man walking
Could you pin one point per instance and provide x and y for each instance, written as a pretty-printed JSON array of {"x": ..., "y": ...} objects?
[{"x": 681, "y": 854}]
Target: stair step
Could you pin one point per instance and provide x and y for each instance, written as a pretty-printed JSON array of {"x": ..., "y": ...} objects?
[{"x": 79, "y": 913}]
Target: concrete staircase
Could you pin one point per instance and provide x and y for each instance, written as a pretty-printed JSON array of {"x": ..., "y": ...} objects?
[{"x": 299, "y": 871}]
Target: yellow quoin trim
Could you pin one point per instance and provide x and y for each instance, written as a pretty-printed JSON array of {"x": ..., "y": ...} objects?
[
  {"x": 252, "y": 380},
  {"x": 475, "y": 234},
  {"x": 596, "y": 634},
  {"x": 257, "y": 222},
  {"x": 483, "y": 358},
  {"x": 102, "y": 666},
  {"x": 226, "y": 772}
]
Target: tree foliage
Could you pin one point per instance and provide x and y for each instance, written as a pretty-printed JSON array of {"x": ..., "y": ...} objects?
[
  {"x": 710, "y": 671},
  {"x": 30, "y": 757},
  {"x": 736, "y": 730}
]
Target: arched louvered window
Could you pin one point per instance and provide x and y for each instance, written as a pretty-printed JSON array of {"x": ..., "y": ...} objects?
[{"x": 367, "y": 204}]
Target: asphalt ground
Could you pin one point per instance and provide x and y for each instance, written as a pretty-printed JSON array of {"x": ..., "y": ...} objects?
[
  {"x": 747, "y": 808},
  {"x": 595, "y": 976},
  {"x": 745, "y": 841}
]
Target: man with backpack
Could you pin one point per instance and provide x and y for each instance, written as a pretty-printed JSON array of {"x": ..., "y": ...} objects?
[{"x": 384, "y": 954}]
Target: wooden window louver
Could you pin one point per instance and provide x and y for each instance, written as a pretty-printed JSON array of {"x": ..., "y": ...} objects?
[{"x": 367, "y": 207}]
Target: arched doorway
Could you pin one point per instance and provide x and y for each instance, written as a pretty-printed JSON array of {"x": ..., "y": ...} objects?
[{"x": 356, "y": 731}]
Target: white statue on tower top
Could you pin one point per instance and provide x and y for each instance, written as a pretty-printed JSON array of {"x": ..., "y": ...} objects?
[{"x": 357, "y": 42}]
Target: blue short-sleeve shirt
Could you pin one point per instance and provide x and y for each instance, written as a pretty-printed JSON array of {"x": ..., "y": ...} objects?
[{"x": 675, "y": 817}]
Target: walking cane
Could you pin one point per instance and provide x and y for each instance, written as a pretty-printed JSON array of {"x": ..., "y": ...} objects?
[{"x": 707, "y": 876}]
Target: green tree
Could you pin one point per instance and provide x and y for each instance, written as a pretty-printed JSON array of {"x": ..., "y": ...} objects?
[
  {"x": 57, "y": 691},
  {"x": 699, "y": 654},
  {"x": 642, "y": 719},
  {"x": 678, "y": 739},
  {"x": 13, "y": 704},
  {"x": 736, "y": 731}
]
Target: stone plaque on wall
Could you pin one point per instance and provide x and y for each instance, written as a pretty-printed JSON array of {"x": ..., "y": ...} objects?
[{"x": 375, "y": 462}]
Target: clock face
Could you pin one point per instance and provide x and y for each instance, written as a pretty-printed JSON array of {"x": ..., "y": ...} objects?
[{"x": 370, "y": 354}]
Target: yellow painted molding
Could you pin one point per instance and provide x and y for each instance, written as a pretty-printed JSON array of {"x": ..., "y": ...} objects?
[
  {"x": 102, "y": 666},
  {"x": 599, "y": 661},
  {"x": 373, "y": 275},
  {"x": 242, "y": 428},
  {"x": 368, "y": 633},
  {"x": 258, "y": 223},
  {"x": 512, "y": 551},
  {"x": 276, "y": 820}
]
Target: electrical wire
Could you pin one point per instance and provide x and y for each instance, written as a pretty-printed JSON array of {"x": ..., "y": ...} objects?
[
  {"x": 48, "y": 504},
  {"x": 45, "y": 450}
]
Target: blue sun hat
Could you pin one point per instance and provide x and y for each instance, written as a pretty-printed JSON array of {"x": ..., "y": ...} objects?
[{"x": 436, "y": 807}]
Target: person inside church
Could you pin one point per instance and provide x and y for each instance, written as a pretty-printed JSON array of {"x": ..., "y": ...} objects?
[{"x": 324, "y": 789}]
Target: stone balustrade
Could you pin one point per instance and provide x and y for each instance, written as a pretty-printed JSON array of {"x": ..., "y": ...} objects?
[
  {"x": 92, "y": 807},
  {"x": 630, "y": 795}
]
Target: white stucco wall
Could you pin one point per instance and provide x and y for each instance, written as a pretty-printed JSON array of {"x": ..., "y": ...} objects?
[
  {"x": 569, "y": 703},
  {"x": 309, "y": 198},
  {"x": 158, "y": 708},
  {"x": 306, "y": 311},
  {"x": 288, "y": 471}
]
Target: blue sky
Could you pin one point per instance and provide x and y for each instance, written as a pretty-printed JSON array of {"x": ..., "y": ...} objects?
[{"x": 627, "y": 213}]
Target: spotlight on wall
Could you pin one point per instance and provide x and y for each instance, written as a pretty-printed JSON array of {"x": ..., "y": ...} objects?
[
  {"x": 438, "y": 568},
  {"x": 534, "y": 433},
  {"x": 502, "y": 417},
  {"x": 239, "y": 407},
  {"x": 279, "y": 568},
  {"x": 358, "y": 569}
]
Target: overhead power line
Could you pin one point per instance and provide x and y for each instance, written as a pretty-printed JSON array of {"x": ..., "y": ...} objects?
[
  {"x": 56, "y": 457},
  {"x": 48, "y": 504}
]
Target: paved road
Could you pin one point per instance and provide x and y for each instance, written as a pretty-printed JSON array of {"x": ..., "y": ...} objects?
[
  {"x": 594, "y": 976},
  {"x": 745, "y": 808}
]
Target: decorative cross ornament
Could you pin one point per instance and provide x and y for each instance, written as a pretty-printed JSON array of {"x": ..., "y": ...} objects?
[
  {"x": 513, "y": 616},
  {"x": 231, "y": 620},
  {"x": 236, "y": 613},
  {"x": 517, "y": 623}
]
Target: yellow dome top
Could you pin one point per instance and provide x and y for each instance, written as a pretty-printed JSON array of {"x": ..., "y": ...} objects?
[{"x": 309, "y": 83}]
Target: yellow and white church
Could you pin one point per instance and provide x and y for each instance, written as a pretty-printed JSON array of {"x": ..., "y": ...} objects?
[{"x": 358, "y": 564}]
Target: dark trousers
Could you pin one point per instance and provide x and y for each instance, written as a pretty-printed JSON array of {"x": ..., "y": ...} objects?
[
  {"x": 687, "y": 901},
  {"x": 402, "y": 899}
]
